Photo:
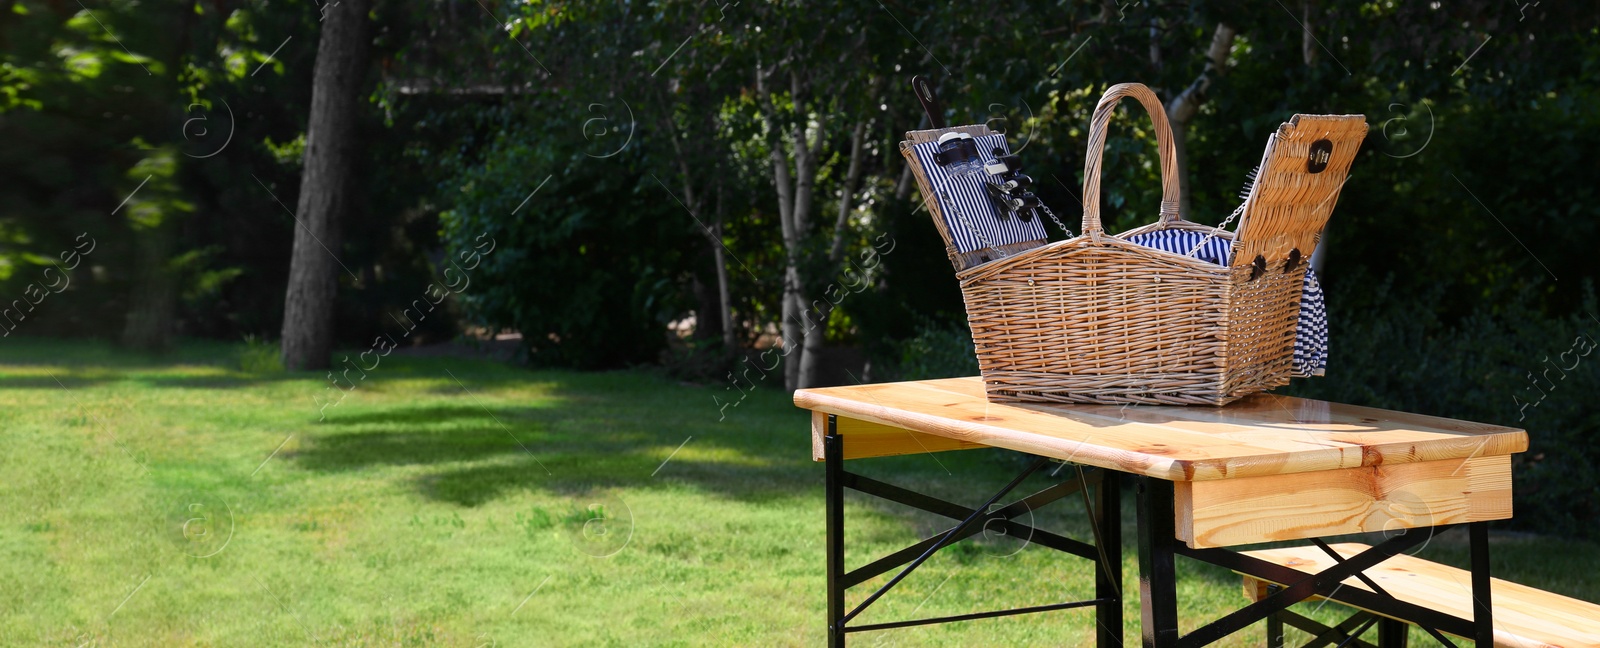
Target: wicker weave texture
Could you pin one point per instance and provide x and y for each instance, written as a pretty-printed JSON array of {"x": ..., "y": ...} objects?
[
  {"x": 1095, "y": 319},
  {"x": 1099, "y": 322},
  {"x": 1288, "y": 207}
]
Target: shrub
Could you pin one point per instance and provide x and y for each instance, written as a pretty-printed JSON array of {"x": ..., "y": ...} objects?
[
  {"x": 939, "y": 349},
  {"x": 260, "y": 356},
  {"x": 583, "y": 256}
]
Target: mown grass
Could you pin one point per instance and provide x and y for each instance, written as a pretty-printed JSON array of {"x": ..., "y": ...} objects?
[{"x": 177, "y": 500}]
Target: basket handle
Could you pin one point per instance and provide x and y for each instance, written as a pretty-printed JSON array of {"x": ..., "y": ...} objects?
[{"x": 1097, "y": 148}]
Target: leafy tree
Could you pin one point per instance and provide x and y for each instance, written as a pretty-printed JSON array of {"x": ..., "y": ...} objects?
[{"x": 223, "y": 92}]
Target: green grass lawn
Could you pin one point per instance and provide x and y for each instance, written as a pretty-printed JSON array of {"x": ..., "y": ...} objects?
[{"x": 179, "y": 501}]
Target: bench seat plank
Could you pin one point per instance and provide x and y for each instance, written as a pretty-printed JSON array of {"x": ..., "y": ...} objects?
[{"x": 1524, "y": 617}]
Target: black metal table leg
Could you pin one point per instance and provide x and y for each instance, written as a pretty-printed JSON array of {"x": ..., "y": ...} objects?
[
  {"x": 1108, "y": 578},
  {"x": 1274, "y": 624},
  {"x": 1482, "y": 603},
  {"x": 1158, "y": 579},
  {"x": 833, "y": 456},
  {"x": 1275, "y": 631},
  {"x": 1391, "y": 633}
]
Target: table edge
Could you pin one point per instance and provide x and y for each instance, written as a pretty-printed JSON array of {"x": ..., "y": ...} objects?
[{"x": 1510, "y": 442}]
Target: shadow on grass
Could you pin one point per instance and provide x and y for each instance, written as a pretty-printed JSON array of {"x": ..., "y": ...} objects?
[
  {"x": 205, "y": 364},
  {"x": 56, "y": 381},
  {"x": 568, "y": 476},
  {"x": 198, "y": 377},
  {"x": 354, "y": 451},
  {"x": 584, "y": 433},
  {"x": 425, "y": 416},
  {"x": 218, "y": 381}
]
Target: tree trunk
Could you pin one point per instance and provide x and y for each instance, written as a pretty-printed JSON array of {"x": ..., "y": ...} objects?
[
  {"x": 325, "y": 185},
  {"x": 150, "y": 312},
  {"x": 795, "y": 198},
  {"x": 811, "y": 362},
  {"x": 1308, "y": 41},
  {"x": 793, "y": 324},
  {"x": 1319, "y": 256},
  {"x": 730, "y": 343},
  {"x": 1155, "y": 44},
  {"x": 1180, "y": 157},
  {"x": 1183, "y": 107},
  {"x": 153, "y": 306},
  {"x": 694, "y": 202}
]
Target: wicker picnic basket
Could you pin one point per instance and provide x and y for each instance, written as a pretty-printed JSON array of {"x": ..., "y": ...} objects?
[{"x": 1096, "y": 319}]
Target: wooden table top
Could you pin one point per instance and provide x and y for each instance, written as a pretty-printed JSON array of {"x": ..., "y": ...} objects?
[{"x": 1259, "y": 435}]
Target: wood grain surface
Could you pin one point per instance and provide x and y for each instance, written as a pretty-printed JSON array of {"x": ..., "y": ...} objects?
[
  {"x": 1257, "y": 436},
  {"x": 864, "y": 439},
  {"x": 1387, "y": 498},
  {"x": 1524, "y": 617}
]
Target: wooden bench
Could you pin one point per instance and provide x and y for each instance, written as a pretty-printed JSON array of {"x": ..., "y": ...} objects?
[{"x": 1524, "y": 617}]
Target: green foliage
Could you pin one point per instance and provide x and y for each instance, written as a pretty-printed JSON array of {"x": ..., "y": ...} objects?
[
  {"x": 111, "y": 112},
  {"x": 210, "y": 106},
  {"x": 260, "y": 356},
  {"x": 938, "y": 350},
  {"x": 587, "y": 252}
]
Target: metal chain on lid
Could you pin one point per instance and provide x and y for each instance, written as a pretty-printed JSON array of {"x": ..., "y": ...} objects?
[{"x": 1052, "y": 215}]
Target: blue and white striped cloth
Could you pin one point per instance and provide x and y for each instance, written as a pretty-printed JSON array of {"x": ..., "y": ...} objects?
[
  {"x": 969, "y": 215},
  {"x": 1311, "y": 334}
]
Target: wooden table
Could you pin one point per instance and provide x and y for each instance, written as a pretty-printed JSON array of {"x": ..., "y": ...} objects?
[{"x": 1266, "y": 468}]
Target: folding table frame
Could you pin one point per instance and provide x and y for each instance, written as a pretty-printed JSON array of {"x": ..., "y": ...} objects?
[
  {"x": 1158, "y": 549},
  {"x": 1104, "y": 516}
]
